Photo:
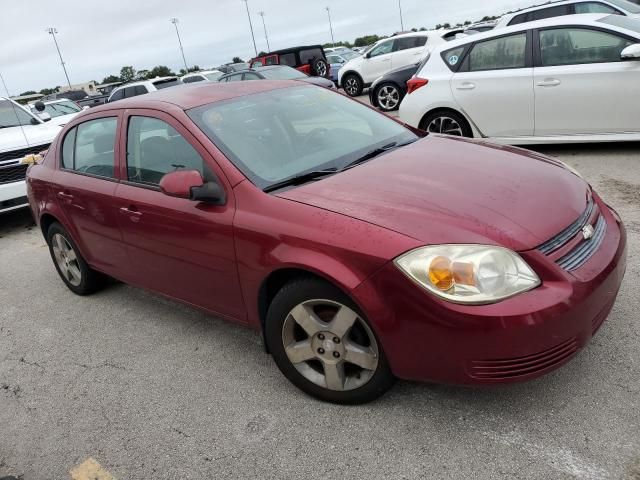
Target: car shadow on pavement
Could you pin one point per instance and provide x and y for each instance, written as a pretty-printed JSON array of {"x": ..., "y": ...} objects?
[{"x": 15, "y": 220}]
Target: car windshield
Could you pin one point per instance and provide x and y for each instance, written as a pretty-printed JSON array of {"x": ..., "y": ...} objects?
[
  {"x": 626, "y": 5},
  {"x": 61, "y": 108},
  {"x": 213, "y": 76},
  {"x": 632, "y": 24},
  {"x": 275, "y": 135},
  {"x": 281, "y": 73},
  {"x": 12, "y": 115}
]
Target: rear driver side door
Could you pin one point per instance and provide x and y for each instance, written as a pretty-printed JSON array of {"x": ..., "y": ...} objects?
[{"x": 178, "y": 247}]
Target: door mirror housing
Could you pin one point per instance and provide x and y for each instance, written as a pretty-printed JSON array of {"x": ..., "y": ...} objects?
[
  {"x": 632, "y": 52},
  {"x": 39, "y": 106},
  {"x": 190, "y": 185}
]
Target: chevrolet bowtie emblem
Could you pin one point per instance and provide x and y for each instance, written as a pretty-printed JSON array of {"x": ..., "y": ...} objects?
[{"x": 587, "y": 232}]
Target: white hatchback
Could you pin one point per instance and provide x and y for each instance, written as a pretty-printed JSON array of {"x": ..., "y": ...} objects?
[
  {"x": 386, "y": 55},
  {"x": 565, "y": 79}
]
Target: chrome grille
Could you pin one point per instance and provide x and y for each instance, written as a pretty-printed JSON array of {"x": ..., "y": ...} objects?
[
  {"x": 13, "y": 173},
  {"x": 19, "y": 154},
  {"x": 585, "y": 250},
  {"x": 568, "y": 233}
]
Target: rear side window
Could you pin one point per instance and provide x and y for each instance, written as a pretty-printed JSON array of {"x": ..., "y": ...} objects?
[
  {"x": 595, "y": 7},
  {"x": 499, "y": 53},
  {"x": 288, "y": 59},
  {"x": 409, "y": 42},
  {"x": 551, "y": 12},
  {"x": 140, "y": 90},
  {"x": 271, "y": 60},
  {"x": 574, "y": 46},
  {"x": 307, "y": 55},
  {"x": 129, "y": 92},
  {"x": 518, "y": 19},
  {"x": 192, "y": 79},
  {"x": 155, "y": 148},
  {"x": 118, "y": 95},
  {"x": 452, "y": 57},
  {"x": 89, "y": 148}
]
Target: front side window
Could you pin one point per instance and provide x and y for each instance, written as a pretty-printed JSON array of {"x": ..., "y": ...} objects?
[
  {"x": 574, "y": 46},
  {"x": 155, "y": 148},
  {"x": 382, "y": 49},
  {"x": 89, "y": 148},
  {"x": 595, "y": 7},
  {"x": 272, "y": 136},
  {"x": 499, "y": 53}
]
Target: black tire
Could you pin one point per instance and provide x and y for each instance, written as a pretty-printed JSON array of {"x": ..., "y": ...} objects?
[
  {"x": 307, "y": 289},
  {"x": 352, "y": 85},
  {"x": 90, "y": 280},
  {"x": 399, "y": 94},
  {"x": 430, "y": 121},
  {"x": 319, "y": 68}
]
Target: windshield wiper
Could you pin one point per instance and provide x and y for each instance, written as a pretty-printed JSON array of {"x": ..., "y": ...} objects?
[
  {"x": 374, "y": 153},
  {"x": 300, "y": 179}
]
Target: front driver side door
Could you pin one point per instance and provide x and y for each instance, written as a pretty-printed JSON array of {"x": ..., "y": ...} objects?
[
  {"x": 378, "y": 61},
  {"x": 178, "y": 247},
  {"x": 582, "y": 86}
]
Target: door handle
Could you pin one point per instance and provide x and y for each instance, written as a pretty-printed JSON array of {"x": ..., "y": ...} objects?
[
  {"x": 132, "y": 213},
  {"x": 466, "y": 86},
  {"x": 549, "y": 82},
  {"x": 65, "y": 196}
]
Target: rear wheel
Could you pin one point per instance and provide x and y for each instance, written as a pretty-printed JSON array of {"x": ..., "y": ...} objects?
[
  {"x": 388, "y": 96},
  {"x": 324, "y": 345},
  {"x": 72, "y": 268},
  {"x": 319, "y": 67},
  {"x": 352, "y": 85},
  {"x": 446, "y": 122}
]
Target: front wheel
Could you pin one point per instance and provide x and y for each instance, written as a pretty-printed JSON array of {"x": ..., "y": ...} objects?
[
  {"x": 446, "y": 122},
  {"x": 352, "y": 85},
  {"x": 324, "y": 345},
  {"x": 388, "y": 96}
]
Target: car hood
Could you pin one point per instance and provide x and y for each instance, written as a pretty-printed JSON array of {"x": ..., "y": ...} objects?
[
  {"x": 62, "y": 120},
  {"x": 13, "y": 138},
  {"x": 447, "y": 190}
]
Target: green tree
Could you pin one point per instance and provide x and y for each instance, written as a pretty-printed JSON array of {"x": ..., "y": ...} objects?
[
  {"x": 111, "y": 79},
  {"x": 142, "y": 74},
  {"x": 28, "y": 92},
  {"x": 237, "y": 60},
  {"x": 366, "y": 40},
  {"x": 127, "y": 74},
  {"x": 160, "y": 71},
  {"x": 47, "y": 91}
]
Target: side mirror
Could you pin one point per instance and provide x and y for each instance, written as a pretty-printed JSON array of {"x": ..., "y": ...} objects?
[
  {"x": 189, "y": 184},
  {"x": 86, "y": 107},
  {"x": 632, "y": 52},
  {"x": 39, "y": 106}
]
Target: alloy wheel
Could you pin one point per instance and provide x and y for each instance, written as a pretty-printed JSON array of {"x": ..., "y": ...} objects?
[
  {"x": 351, "y": 86},
  {"x": 330, "y": 345},
  {"x": 388, "y": 97},
  {"x": 67, "y": 260},
  {"x": 445, "y": 125},
  {"x": 321, "y": 69}
]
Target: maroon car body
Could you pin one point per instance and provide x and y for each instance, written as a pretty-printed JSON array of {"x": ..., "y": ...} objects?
[{"x": 348, "y": 228}]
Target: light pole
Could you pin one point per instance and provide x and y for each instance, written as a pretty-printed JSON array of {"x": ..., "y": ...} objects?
[
  {"x": 265, "y": 31},
  {"x": 333, "y": 42},
  {"x": 401, "y": 22},
  {"x": 175, "y": 22},
  {"x": 246, "y": 2},
  {"x": 52, "y": 31}
]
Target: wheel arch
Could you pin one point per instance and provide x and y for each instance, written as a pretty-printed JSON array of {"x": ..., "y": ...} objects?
[
  {"x": 351, "y": 72},
  {"x": 46, "y": 220},
  {"x": 445, "y": 109}
]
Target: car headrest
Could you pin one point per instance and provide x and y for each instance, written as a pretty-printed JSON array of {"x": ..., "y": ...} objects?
[{"x": 103, "y": 143}]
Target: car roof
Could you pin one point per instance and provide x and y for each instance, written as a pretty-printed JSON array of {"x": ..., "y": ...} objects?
[
  {"x": 579, "y": 19},
  {"x": 291, "y": 50},
  {"x": 196, "y": 94},
  {"x": 541, "y": 6}
]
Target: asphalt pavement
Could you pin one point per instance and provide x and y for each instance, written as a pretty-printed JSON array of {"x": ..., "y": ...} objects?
[{"x": 125, "y": 384}]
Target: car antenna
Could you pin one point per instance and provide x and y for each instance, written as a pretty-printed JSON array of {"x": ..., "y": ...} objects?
[{"x": 14, "y": 109}]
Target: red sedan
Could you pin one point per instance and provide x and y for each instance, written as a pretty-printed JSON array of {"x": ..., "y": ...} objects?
[{"x": 363, "y": 250}]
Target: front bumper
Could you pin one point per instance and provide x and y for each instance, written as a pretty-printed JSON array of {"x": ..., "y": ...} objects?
[
  {"x": 428, "y": 339},
  {"x": 13, "y": 196}
]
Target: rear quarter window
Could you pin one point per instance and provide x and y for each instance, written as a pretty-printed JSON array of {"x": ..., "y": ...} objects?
[{"x": 452, "y": 58}]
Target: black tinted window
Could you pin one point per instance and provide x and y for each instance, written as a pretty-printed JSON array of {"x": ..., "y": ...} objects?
[
  {"x": 406, "y": 43},
  {"x": 192, "y": 79},
  {"x": 550, "y": 12},
  {"x": 155, "y": 148},
  {"x": 573, "y": 46},
  {"x": 119, "y": 95},
  {"x": 499, "y": 53},
  {"x": 89, "y": 148},
  {"x": 140, "y": 90},
  {"x": 518, "y": 19},
  {"x": 129, "y": 92},
  {"x": 167, "y": 83},
  {"x": 307, "y": 55},
  {"x": 288, "y": 59}
]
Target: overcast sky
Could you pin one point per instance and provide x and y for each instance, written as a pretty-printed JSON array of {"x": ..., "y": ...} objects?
[{"x": 98, "y": 38}]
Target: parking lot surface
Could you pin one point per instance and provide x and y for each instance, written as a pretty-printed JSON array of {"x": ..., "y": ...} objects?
[{"x": 151, "y": 389}]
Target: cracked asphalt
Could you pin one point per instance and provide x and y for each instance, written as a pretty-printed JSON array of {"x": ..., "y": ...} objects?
[{"x": 154, "y": 390}]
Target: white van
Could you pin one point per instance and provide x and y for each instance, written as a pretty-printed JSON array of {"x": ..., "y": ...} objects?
[{"x": 21, "y": 133}]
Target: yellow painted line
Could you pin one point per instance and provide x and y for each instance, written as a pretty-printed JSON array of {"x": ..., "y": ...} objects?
[{"x": 90, "y": 470}]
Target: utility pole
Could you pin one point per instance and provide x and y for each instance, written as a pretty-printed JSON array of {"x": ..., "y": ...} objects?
[
  {"x": 265, "y": 30},
  {"x": 175, "y": 22},
  {"x": 401, "y": 22},
  {"x": 246, "y": 2},
  {"x": 333, "y": 42},
  {"x": 52, "y": 31}
]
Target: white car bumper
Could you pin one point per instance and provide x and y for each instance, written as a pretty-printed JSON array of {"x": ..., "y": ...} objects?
[{"x": 13, "y": 196}]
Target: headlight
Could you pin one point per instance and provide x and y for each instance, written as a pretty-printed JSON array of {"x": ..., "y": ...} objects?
[{"x": 470, "y": 274}]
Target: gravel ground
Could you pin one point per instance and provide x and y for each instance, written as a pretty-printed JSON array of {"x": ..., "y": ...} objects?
[{"x": 154, "y": 390}]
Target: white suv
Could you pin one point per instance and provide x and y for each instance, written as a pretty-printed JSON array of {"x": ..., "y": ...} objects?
[
  {"x": 569, "y": 7},
  {"x": 140, "y": 88},
  {"x": 384, "y": 56},
  {"x": 21, "y": 134},
  {"x": 202, "y": 76}
]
